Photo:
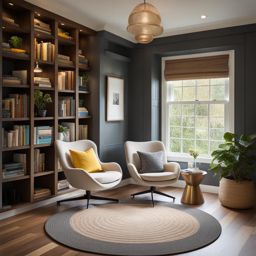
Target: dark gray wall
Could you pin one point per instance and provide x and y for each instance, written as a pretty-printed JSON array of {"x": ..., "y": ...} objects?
[
  {"x": 114, "y": 60},
  {"x": 144, "y": 91}
]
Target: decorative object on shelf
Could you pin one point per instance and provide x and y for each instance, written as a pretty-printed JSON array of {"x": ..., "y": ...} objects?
[
  {"x": 62, "y": 132},
  {"x": 84, "y": 82},
  {"x": 115, "y": 98},
  {"x": 145, "y": 23},
  {"x": 235, "y": 162},
  {"x": 41, "y": 100},
  {"x": 37, "y": 69},
  {"x": 194, "y": 154},
  {"x": 16, "y": 42}
]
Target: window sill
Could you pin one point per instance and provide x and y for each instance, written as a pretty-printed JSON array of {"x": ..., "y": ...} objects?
[{"x": 175, "y": 157}]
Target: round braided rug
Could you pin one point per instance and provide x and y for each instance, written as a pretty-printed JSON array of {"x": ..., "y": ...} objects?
[{"x": 134, "y": 229}]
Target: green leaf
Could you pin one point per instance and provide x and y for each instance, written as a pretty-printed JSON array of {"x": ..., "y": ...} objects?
[{"x": 228, "y": 136}]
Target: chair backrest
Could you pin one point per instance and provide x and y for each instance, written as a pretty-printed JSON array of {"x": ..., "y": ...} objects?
[
  {"x": 64, "y": 147},
  {"x": 131, "y": 148}
]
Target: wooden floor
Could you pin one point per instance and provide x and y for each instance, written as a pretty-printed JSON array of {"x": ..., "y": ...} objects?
[{"x": 24, "y": 234}]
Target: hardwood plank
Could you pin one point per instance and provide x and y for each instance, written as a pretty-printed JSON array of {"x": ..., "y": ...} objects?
[{"x": 42, "y": 249}]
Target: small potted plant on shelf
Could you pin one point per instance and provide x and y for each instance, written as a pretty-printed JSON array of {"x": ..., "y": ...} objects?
[
  {"x": 62, "y": 132},
  {"x": 41, "y": 101},
  {"x": 235, "y": 162},
  {"x": 194, "y": 154},
  {"x": 16, "y": 44}
]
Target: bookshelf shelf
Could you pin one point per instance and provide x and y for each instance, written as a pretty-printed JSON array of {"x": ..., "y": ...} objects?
[
  {"x": 84, "y": 92},
  {"x": 39, "y": 174},
  {"x": 43, "y": 62},
  {"x": 65, "y": 65},
  {"x": 43, "y": 118},
  {"x": 66, "y": 91},
  {"x": 12, "y": 28},
  {"x": 42, "y": 35},
  {"x": 83, "y": 67},
  {"x": 23, "y": 86},
  {"x": 64, "y": 41},
  {"x": 24, "y": 177},
  {"x": 85, "y": 117},
  {"x": 15, "y": 56},
  {"x": 42, "y": 145},
  {"x": 15, "y": 148},
  {"x": 18, "y": 119},
  {"x": 66, "y": 117},
  {"x": 44, "y": 88}
]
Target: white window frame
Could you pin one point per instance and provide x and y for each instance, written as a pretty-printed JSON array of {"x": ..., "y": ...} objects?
[{"x": 229, "y": 107}]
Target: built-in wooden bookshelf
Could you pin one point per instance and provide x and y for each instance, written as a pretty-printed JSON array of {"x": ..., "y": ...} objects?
[{"x": 69, "y": 45}]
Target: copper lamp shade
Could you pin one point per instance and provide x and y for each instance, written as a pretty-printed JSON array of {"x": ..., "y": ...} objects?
[{"x": 145, "y": 23}]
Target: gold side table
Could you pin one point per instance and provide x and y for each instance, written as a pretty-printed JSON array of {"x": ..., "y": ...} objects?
[{"x": 192, "y": 193}]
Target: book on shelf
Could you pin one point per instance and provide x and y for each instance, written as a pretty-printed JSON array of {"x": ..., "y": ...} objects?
[
  {"x": 21, "y": 158},
  {"x": 40, "y": 193},
  {"x": 62, "y": 184},
  {"x": 39, "y": 161},
  {"x": 7, "y": 17},
  {"x": 64, "y": 59},
  {"x": 82, "y": 112},
  {"x": 42, "y": 26},
  {"x": 8, "y": 79},
  {"x": 44, "y": 51},
  {"x": 11, "y": 170},
  {"x": 71, "y": 130},
  {"x": 66, "y": 106},
  {"x": 16, "y": 106},
  {"x": 83, "y": 132},
  {"x": 42, "y": 81},
  {"x": 18, "y": 136},
  {"x": 66, "y": 80},
  {"x": 64, "y": 34},
  {"x": 22, "y": 75},
  {"x": 43, "y": 135}
]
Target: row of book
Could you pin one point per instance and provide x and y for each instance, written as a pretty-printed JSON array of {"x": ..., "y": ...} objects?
[
  {"x": 39, "y": 161},
  {"x": 83, "y": 112},
  {"x": 11, "y": 170},
  {"x": 83, "y": 132},
  {"x": 64, "y": 59},
  {"x": 43, "y": 135},
  {"x": 66, "y": 106},
  {"x": 40, "y": 193},
  {"x": 18, "y": 136},
  {"x": 44, "y": 51},
  {"x": 66, "y": 80},
  {"x": 15, "y": 106},
  {"x": 42, "y": 81},
  {"x": 41, "y": 26},
  {"x": 17, "y": 77}
]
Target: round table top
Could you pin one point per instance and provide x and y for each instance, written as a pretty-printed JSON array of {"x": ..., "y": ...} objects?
[{"x": 193, "y": 172}]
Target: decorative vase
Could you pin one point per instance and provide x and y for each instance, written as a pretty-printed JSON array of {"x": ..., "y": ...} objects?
[
  {"x": 42, "y": 112},
  {"x": 61, "y": 136},
  {"x": 237, "y": 195}
]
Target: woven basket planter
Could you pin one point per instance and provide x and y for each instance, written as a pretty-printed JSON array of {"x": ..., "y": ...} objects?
[{"x": 237, "y": 195}]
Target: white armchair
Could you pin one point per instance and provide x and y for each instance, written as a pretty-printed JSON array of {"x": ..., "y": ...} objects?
[
  {"x": 156, "y": 179},
  {"x": 81, "y": 179}
]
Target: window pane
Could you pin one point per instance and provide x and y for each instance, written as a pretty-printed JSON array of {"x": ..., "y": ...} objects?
[
  {"x": 217, "y": 110},
  {"x": 175, "y": 145},
  {"x": 202, "y": 109},
  {"x": 187, "y": 145},
  {"x": 219, "y": 81},
  {"x": 216, "y": 134},
  {"x": 214, "y": 145},
  {"x": 203, "y": 93},
  {"x": 189, "y": 93},
  {"x": 216, "y": 122},
  {"x": 203, "y": 81},
  {"x": 175, "y": 132},
  {"x": 218, "y": 92},
  {"x": 175, "y": 83},
  {"x": 188, "y": 133},
  {"x": 202, "y": 134},
  {"x": 176, "y": 94},
  {"x": 202, "y": 122},
  {"x": 188, "y": 109},
  {"x": 189, "y": 82},
  {"x": 175, "y": 109},
  {"x": 188, "y": 121},
  {"x": 202, "y": 146},
  {"x": 175, "y": 120}
]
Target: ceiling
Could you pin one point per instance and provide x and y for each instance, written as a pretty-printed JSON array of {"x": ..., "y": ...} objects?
[{"x": 178, "y": 16}]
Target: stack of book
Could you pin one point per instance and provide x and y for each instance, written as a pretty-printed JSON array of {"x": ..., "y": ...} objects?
[
  {"x": 64, "y": 59},
  {"x": 11, "y": 170},
  {"x": 71, "y": 131},
  {"x": 9, "y": 19},
  {"x": 40, "y": 193},
  {"x": 66, "y": 106},
  {"x": 83, "y": 132},
  {"x": 66, "y": 80},
  {"x": 63, "y": 184},
  {"x": 64, "y": 34},
  {"x": 41, "y": 26},
  {"x": 42, "y": 81},
  {"x": 42, "y": 135},
  {"x": 44, "y": 51},
  {"x": 15, "y": 106},
  {"x": 83, "y": 61},
  {"x": 17, "y": 137},
  {"x": 11, "y": 80},
  {"x": 39, "y": 161},
  {"x": 8, "y": 49},
  {"x": 82, "y": 112},
  {"x": 22, "y": 75},
  {"x": 21, "y": 158}
]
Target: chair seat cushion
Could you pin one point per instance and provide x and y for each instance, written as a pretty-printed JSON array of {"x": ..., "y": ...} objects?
[
  {"x": 158, "y": 176},
  {"x": 106, "y": 177}
]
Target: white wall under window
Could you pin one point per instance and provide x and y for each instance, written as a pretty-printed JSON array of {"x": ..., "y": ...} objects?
[{"x": 196, "y": 113}]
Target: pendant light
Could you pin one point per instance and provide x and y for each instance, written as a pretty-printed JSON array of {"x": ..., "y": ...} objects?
[{"x": 145, "y": 23}]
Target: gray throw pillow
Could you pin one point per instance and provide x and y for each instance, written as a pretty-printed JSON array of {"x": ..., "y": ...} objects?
[{"x": 151, "y": 161}]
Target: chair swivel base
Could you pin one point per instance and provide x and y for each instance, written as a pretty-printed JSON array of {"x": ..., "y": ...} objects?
[
  {"x": 152, "y": 190},
  {"x": 87, "y": 196}
]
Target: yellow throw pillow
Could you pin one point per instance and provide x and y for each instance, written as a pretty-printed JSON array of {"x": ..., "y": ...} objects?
[{"x": 85, "y": 160}]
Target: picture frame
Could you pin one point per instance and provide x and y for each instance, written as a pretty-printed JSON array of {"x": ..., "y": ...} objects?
[{"x": 115, "y": 99}]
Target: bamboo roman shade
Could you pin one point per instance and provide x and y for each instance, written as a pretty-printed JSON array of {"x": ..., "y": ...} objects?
[{"x": 197, "y": 68}]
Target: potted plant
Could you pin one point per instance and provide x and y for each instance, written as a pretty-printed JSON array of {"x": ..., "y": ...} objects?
[
  {"x": 62, "y": 132},
  {"x": 194, "y": 154},
  {"x": 16, "y": 44},
  {"x": 41, "y": 101},
  {"x": 235, "y": 162}
]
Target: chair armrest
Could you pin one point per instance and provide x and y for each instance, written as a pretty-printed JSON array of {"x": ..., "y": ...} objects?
[
  {"x": 112, "y": 166},
  {"x": 172, "y": 167},
  {"x": 134, "y": 172}
]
